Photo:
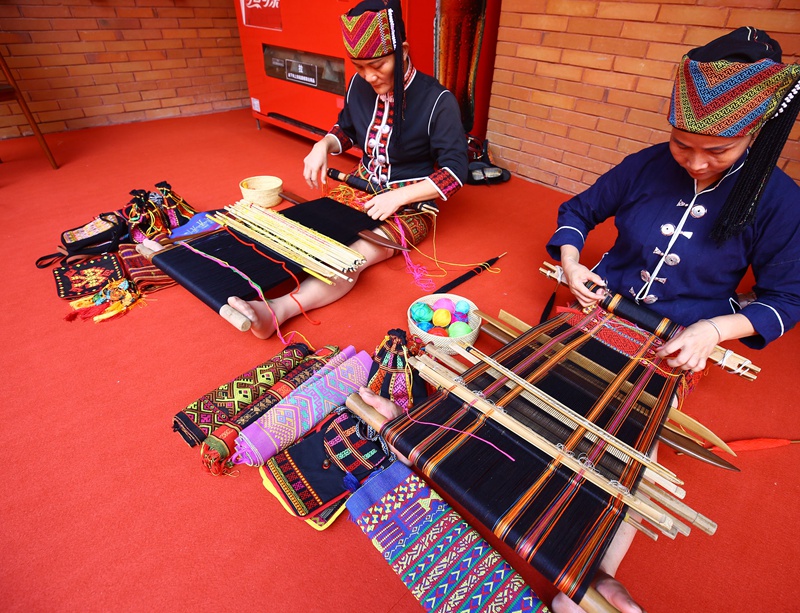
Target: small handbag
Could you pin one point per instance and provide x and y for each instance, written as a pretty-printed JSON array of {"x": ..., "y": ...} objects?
[
  {"x": 144, "y": 215},
  {"x": 101, "y": 235}
]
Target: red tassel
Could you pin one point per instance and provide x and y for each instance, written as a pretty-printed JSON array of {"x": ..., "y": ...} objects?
[
  {"x": 754, "y": 444},
  {"x": 88, "y": 312}
]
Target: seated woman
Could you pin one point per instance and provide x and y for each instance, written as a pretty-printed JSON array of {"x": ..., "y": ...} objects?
[
  {"x": 693, "y": 214},
  {"x": 413, "y": 142}
]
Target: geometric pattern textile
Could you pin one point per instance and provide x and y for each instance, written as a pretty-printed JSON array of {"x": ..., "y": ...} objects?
[
  {"x": 726, "y": 98},
  {"x": 369, "y": 35},
  {"x": 223, "y": 404},
  {"x": 293, "y": 417},
  {"x": 87, "y": 277},
  {"x": 440, "y": 558}
]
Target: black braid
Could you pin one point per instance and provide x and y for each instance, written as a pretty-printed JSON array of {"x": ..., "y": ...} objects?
[{"x": 740, "y": 208}]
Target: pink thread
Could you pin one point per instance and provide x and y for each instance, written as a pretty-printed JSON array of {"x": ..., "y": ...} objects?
[
  {"x": 475, "y": 436},
  {"x": 417, "y": 271}
]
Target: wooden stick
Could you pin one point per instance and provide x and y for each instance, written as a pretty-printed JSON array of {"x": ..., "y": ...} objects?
[
  {"x": 689, "y": 423},
  {"x": 551, "y": 402}
]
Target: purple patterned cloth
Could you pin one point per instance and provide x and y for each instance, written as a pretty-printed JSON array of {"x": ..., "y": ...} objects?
[{"x": 303, "y": 409}]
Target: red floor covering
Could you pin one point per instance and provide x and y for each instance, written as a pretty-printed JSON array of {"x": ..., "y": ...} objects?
[{"x": 104, "y": 508}]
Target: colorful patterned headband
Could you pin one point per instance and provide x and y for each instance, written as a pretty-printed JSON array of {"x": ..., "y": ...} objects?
[
  {"x": 724, "y": 98},
  {"x": 369, "y": 35}
]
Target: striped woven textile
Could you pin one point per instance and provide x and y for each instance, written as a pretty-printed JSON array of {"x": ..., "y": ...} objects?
[
  {"x": 368, "y": 35},
  {"x": 440, "y": 558}
]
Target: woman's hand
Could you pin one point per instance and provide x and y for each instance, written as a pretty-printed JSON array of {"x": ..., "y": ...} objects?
[
  {"x": 384, "y": 205},
  {"x": 576, "y": 276},
  {"x": 690, "y": 349},
  {"x": 315, "y": 164}
]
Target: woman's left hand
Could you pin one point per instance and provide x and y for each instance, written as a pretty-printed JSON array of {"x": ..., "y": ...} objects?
[
  {"x": 690, "y": 349},
  {"x": 384, "y": 205}
]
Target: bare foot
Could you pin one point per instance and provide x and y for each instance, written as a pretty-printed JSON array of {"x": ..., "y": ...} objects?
[
  {"x": 263, "y": 322},
  {"x": 610, "y": 589}
]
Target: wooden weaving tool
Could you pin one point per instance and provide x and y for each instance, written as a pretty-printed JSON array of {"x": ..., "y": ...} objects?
[
  {"x": 213, "y": 281},
  {"x": 510, "y": 440}
]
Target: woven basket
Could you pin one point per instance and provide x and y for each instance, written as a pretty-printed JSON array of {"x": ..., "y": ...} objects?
[
  {"x": 264, "y": 190},
  {"x": 445, "y": 343}
]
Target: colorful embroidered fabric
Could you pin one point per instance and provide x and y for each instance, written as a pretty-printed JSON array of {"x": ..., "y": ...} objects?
[
  {"x": 724, "y": 98},
  {"x": 441, "y": 559},
  {"x": 368, "y": 35},
  {"x": 115, "y": 299},
  {"x": 321, "y": 469},
  {"x": 147, "y": 277},
  {"x": 87, "y": 277},
  {"x": 219, "y": 406},
  {"x": 220, "y": 444},
  {"x": 290, "y": 419},
  {"x": 390, "y": 375}
]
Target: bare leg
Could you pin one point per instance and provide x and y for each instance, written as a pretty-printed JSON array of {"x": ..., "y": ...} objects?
[{"x": 312, "y": 294}]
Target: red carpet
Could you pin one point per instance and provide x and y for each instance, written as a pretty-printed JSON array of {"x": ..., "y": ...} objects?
[{"x": 104, "y": 508}]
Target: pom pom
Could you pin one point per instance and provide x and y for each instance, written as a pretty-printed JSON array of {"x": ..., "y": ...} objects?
[
  {"x": 424, "y": 325},
  {"x": 436, "y": 331},
  {"x": 462, "y": 306},
  {"x": 444, "y": 303},
  {"x": 459, "y": 328},
  {"x": 421, "y": 312},
  {"x": 442, "y": 318}
]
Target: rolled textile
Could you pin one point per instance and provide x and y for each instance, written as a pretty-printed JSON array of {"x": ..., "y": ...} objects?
[
  {"x": 291, "y": 418},
  {"x": 217, "y": 407},
  {"x": 440, "y": 557},
  {"x": 147, "y": 277},
  {"x": 219, "y": 445}
]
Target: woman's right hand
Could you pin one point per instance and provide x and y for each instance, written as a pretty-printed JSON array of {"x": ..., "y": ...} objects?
[
  {"x": 576, "y": 275},
  {"x": 315, "y": 164}
]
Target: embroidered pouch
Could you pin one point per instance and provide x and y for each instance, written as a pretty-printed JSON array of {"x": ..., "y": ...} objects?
[{"x": 87, "y": 277}]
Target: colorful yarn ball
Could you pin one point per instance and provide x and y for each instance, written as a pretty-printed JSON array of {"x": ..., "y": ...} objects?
[
  {"x": 444, "y": 303},
  {"x": 462, "y": 306},
  {"x": 459, "y": 328},
  {"x": 421, "y": 312},
  {"x": 459, "y": 316},
  {"x": 442, "y": 318},
  {"x": 437, "y": 331},
  {"x": 424, "y": 325}
]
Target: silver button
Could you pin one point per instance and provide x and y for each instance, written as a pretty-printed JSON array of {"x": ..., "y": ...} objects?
[
  {"x": 698, "y": 211},
  {"x": 667, "y": 229},
  {"x": 385, "y": 129},
  {"x": 381, "y": 159},
  {"x": 645, "y": 276},
  {"x": 371, "y": 142},
  {"x": 672, "y": 259},
  {"x": 650, "y": 299}
]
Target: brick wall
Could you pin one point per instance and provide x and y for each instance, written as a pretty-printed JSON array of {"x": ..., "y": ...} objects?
[
  {"x": 85, "y": 63},
  {"x": 579, "y": 84}
]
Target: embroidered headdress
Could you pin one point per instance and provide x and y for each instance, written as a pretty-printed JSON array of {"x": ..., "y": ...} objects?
[
  {"x": 734, "y": 86},
  {"x": 373, "y": 29}
]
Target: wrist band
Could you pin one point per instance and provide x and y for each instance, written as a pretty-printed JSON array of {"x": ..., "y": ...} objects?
[{"x": 716, "y": 327}]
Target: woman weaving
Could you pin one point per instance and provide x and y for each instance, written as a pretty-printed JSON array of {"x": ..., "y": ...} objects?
[
  {"x": 413, "y": 143},
  {"x": 693, "y": 214}
]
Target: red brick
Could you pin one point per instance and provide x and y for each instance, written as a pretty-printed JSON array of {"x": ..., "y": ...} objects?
[
  {"x": 628, "y": 130},
  {"x": 648, "y": 68},
  {"x": 45, "y": 12},
  {"x": 559, "y": 71},
  {"x": 771, "y": 21},
  {"x": 51, "y": 36},
  {"x": 130, "y": 66},
  {"x": 560, "y": 170},
  {"x": 627, "y": 11},
  {"x": 122, "y": 98},
  {"x": 529, "y": 109},
  {"x": 616, "y": 80},
  {"x": 40, "y": 50},
  {"x": 161, "y": 113},
  {"x": 598, "y": 61},
  {"x": 567, "y": 144},
  {"x": 647, "y": 119},
  {"x": 591, "y": 137},
  {"x": 545, "y": 126},
  {"x": 517, "y": 35},
  {"x": 657, "y": 87},
  {"x": 693, "y": 15},
  {"x": 98, "y": 35},
  {"x": 115, "y": 78},
  {"x": 637, "y": 101},
  {"x": 572, "y": 118},
  {"x": 555, "y": 23},
  {"x": 537, "y": 52},
  {"x": 93, "y": 12},
  {"x": 617, "y": 46},
  {"x": 667, "y": 52},
  {"x": 562, "y": 40},
  {"x": 601, "y": 109},
  {"x": 195, "y": 23},
  {"x": 581, "y": 161},
  {"x": 81, "y": 47},
  {"x": 595, "y": 27},
  {"x": 660, "y": 32},
  {"x": 580, "y": 90},
  {"x": 582, "y": 8},
  {"x": 605, "y": 155},
  {"x": 550, "y": 99}
]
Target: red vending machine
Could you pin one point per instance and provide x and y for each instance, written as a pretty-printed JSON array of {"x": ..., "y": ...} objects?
[{"x": 297, "y": 72}]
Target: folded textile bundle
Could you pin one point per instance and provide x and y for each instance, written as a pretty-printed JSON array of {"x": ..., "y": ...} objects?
[
  {"x": 441, "y": 559},
  {"x": 220, "y": 444},
  {"x": 296, "y": 415},
  {"x": 219, "y": 406},
  {"x": 147, "y": 277}
]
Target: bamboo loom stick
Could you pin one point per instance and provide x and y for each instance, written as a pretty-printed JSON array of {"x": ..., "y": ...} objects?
[
  {"x": 724, "y": 358},
  {"x": 459, "y": 368},
  {"x": 592, "y": 601},
  {"x": 675, "y": 414},
  {"x": 653, "y": 514},
  {"x": 549, "y": 401}
]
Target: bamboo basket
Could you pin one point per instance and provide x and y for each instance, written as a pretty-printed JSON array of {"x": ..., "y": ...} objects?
[
  {"x": 445, "y": 343},
  {"x": 262, "y": 190}
]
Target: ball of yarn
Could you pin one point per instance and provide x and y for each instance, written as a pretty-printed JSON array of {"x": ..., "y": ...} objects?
[
  {"x": 442, "y": 318},
  {"x": 424, "y": 325},
  {"x": 421, "y": 312},
  {"x": 437, "y": 331},
  {"x": 459, "y": 316},
  {"x": 444, "y": 303},
  {"x": 459, "y": 328},
  {"x": 462, "y": 306}
]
